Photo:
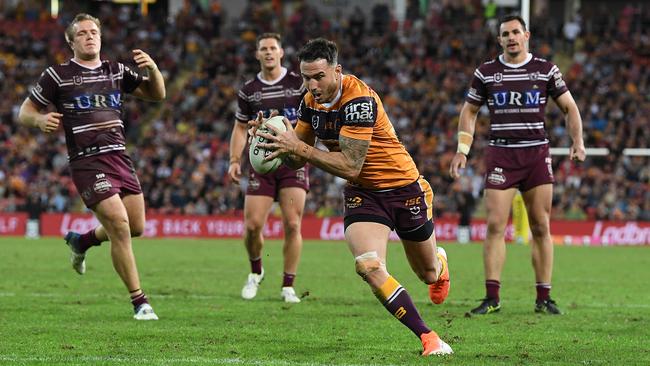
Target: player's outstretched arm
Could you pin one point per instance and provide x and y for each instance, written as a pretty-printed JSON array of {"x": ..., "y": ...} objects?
[
  {"x": 574, "y": 124},
  {"x": 30, "y": 116},
  {"x": 153, "y": 86},
  {"x": 466, "y": 128}
]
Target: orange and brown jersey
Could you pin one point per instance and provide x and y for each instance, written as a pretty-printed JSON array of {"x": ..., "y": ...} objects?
[{"x": 358, "y": 113}]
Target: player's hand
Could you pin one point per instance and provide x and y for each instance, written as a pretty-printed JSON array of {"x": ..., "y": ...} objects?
[
  {"x": 577, "y": 152},
  {"x": 254, "y": 124},
  {"x": 142, "y": 59},
  {"x": 457, "y": 163},
  {"x": 234, "y": 171},
  {"x": 280, "y": 143},
  {"x": 49, "y": 122}
]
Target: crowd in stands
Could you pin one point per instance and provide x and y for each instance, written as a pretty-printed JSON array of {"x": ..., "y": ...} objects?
[{"x": 421, "y": 68}]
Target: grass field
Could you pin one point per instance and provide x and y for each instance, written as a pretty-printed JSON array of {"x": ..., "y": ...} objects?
[{"x": 49, "y": 315}]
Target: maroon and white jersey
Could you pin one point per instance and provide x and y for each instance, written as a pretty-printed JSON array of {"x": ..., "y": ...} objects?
[
  {"x": 283, "y": 94},
  {"x": 90, "y": 100},
  {"x": 516, "y": 96}
]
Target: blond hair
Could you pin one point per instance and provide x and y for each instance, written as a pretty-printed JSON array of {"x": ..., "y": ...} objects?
[{"x": 69, "y": 31}]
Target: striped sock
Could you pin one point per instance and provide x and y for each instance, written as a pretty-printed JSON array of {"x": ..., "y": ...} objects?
[
  {"x": 398, "y": 302},
  {"x": 139, "y": 299}
]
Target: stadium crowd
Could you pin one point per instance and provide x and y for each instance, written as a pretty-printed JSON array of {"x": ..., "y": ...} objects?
[{"x": 421, "y": 69}]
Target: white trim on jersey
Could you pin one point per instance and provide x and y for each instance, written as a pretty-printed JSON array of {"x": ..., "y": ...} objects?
[
  {"x": 40, "y": 97},
  {"x": 523, "y": 143},
  {"x": 97, "y": 126},
  {"x": 517, "y": 126}
]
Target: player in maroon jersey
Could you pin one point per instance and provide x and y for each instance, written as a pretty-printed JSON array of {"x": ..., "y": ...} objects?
[
  {"x": 87, "y": 94},
  {"x": 516, "y": 87},
  {"x": 273, "y": 89}
]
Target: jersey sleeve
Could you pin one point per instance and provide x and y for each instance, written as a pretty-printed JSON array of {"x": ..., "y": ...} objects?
[
  {"x": 244, "y": 110},
  {"x": 358, "y": 117},
  {"x": 556, "y": 85},
  {"x": 44, "y": 92},
  {"x": 131, "y": 79},
  {"x": 477, "y": 93}
]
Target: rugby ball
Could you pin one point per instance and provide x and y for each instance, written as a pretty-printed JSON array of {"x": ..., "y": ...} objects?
[{"x": 257, "y": 154}]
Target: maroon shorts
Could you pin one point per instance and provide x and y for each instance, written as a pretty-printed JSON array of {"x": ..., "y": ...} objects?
[
  {"x": 101, "y": 176},
  {"x": 523, "y": 168},
  {"x": 401, "y": 209},
  {"x": 270, "y": 184}
]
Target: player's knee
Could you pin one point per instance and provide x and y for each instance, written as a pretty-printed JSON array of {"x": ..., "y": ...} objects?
[
  {"x": 539, "y": 229},
  {"x": 368, "y": 264},
  {"x": 254, "y": 227},
  {"x": 137, "y": 230},
  {"x": 496, "y": 228},
  {"x": 291, "y": 227}
]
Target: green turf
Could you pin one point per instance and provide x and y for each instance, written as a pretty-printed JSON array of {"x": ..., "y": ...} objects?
[{"x": 49, "y": 315}]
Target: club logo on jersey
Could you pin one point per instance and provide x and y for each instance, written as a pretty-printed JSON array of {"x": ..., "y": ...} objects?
[
  {"x": 496, "y": 177},
  {"x": 112, "y": 100},
  {"x": 361, "y": 111},
  {"x": 498, "y": 77},
  {"x": 534, "y": 76},
  {"x": 314, "y": 121},
  {"x": 257, "y": 96},
  {"x": 353, "y": 202},
  {"x": 77, "y": 80}
]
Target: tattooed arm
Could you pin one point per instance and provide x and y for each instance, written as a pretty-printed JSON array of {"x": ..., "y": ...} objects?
[{"x": 346, "y": 163}]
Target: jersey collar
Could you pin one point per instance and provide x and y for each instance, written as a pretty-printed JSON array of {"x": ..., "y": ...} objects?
[
  {"x": 283, "y": 72},
  {"x": 99, "y": 63},
  {"x": 515, "y": 66}
]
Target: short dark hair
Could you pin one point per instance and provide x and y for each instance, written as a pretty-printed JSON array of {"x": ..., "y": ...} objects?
[
  {"x": 262, "y": 36},
  {"x": 508, "y": 18},
  {"x": 69, "y": 31},
  {"x": 319, "y": 48}
]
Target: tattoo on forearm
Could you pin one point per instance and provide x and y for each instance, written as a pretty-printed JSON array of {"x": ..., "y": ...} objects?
[{"x": 355, "y": 150}]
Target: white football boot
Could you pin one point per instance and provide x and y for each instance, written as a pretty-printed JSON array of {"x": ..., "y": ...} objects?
[
  {"x": 252, "y": 283},
  {"x": 289, "y": 295},
  {"x": 77, "y": 259},
  {"x": 145, "y": 312}
]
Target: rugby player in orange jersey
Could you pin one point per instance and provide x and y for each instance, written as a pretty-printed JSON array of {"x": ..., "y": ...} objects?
[{"x": 385, "y": 190}]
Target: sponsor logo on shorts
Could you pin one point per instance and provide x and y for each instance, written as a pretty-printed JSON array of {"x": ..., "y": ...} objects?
[
  {"x": 415, "y": 211},
  {"x": 102, "y": 185},
  {"x": 354, "y": 202},
  {"x": 496, "y": 177},
  {"x": 549, "y": 165},
  {"x": 254, "y": 184},
  {"x": 300, "y": 174}
]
